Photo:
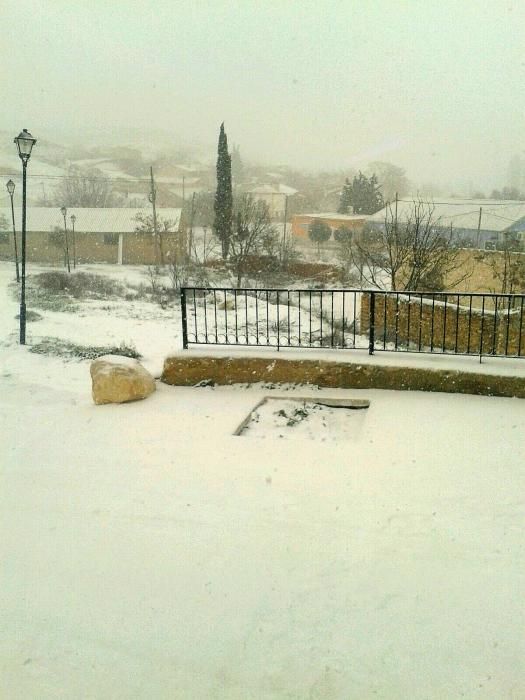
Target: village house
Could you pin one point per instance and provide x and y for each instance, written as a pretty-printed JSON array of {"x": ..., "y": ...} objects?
[
  {"x": 482, "y": 223},
  {"x": 275, "y": 197},
  {"x": 353, "y": 222},
  {"x": 100, "y": 235}
]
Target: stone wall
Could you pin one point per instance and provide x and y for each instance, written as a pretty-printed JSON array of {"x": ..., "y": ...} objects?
[
  {"x": 184, "y": 369},
  {"x": 48, "y": 247},
  {"x": 479, "y": 268},
  {"x": 416, "y": 323}
]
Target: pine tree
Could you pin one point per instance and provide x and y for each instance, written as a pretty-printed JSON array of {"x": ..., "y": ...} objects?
[
  {"x": 223, "y": 205},
  {"x": 345, "y": 201},
  {"x": 365, "y": 194}
]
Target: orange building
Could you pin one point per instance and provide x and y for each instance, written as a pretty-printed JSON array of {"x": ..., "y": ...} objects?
[{"x": 354, "y": 222}]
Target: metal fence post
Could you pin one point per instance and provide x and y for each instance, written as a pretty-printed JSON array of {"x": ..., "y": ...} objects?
[
  {"x": 184, "y": 318},
  {"x": 371, "y": 323}
]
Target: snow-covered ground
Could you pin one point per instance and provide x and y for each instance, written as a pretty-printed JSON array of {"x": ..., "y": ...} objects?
[{"x": 147, "y": 552}]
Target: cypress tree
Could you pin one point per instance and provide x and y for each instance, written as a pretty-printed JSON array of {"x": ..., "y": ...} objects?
[
  {"x": 223, "y": 205},
  {"x": 345, "y": 200}
]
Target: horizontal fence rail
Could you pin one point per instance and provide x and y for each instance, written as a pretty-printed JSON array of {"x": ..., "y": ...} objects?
[{"x": 423, "y": 322}]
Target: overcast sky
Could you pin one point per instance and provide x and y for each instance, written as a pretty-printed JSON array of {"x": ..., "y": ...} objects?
[{"x": 436, "y": 86}]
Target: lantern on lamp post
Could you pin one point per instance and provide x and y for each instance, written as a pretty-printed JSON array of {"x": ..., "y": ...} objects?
[
  {"x": 24, "y": 142},
  {"x": 11, "y": 190},
  {"x": 64, "y": 213}
]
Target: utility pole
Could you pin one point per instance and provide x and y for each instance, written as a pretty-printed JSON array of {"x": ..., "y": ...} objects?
[
  {"x": 192, "y": 213},
  {"x": 73, "y": 219},
  {"x": 183, "y": 190},
  {"x": 479, "y": 228},
  {"x": 153, "y": 200},
  {"x": 66, "y": 258},
  {"x": 283, "y": 246},
  {"x": 395, "y": 220}
]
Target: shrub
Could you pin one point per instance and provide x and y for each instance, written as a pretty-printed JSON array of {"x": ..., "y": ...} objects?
[
  {"x": 79, "y": 285},
  {"x": 65, "y": 348}
]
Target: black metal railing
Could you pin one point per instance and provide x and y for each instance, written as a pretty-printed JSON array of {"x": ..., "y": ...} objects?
[{"x": 445, "y": 322}]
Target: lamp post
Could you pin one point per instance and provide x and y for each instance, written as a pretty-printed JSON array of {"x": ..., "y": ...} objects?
[
  {"x": 64, "y": 212},
  {"x": 24, "y": 142},
  {"x": 73, "y": 219},
  {"x": 11, "y": 189}
]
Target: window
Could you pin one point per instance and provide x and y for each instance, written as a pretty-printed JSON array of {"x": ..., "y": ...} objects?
[{"x": 110, "y": 238}]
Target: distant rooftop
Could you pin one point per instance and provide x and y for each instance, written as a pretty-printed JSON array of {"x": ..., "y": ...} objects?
[
  {"x": 339, "y": 217},
  {"x": 274, "y": 189},
  {"x": 88, "y": 220},
  {"x": 496, "y": 215}
]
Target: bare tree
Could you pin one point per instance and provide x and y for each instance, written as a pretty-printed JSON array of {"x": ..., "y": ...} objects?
[
  {"x": 145, "y": 224},
  {"x": 417, "y": 253},
  {"x": 508, "y": 266},
  {"x": 253, "y": 234},
  {"x": 84, "y": 188}
]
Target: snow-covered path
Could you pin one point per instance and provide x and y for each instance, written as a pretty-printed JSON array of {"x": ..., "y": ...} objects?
[{"x": 149, "y": 553}]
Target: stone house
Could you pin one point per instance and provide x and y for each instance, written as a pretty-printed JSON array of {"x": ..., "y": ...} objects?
[
  {"x": 353, "y": 222},
  {"x": 102, "y": 235},
  {"x": 274, "y": 196}
]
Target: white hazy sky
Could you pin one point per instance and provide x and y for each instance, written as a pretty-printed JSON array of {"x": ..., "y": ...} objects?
[{"x": 436, "y": 86}]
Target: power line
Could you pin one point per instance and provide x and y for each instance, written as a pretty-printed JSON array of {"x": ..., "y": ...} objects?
[
  {"x": 486, "y": 204},
  {"x": 121, "y": 180}
]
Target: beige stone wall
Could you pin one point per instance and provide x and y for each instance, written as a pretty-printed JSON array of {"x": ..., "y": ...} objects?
[
  {"x": 185, "y": 370},
  {"x": 138, "y": 248},
  {"x": 450, "y": 327},
  {"x": 480, "y": 275},
  {"x": 301, "y": 222}
]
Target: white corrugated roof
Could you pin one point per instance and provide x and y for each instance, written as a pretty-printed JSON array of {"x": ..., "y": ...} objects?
[
  {"x": 274, "y": 189},
  {"x": 88, "y": 220},
  {"x": 341, "y": 217},
  {"x": 463, "y": 213}
]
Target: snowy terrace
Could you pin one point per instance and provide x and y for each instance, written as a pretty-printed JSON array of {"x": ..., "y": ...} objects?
[{"x": 150, "y": 553}]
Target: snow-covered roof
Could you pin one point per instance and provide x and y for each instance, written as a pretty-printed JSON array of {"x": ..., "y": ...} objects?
[
  {"x": 274, "y": 189},
  {"x": 496, "y": 215},
  {"x": 88, "y": 220},
  {"x": 335, "y": 215}
]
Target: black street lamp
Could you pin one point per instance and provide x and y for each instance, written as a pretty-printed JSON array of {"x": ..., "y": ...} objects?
[
  {"x": 11, "y": 189},
  {"x": 73, "y": 219},
  {"x": 64, "y": 212},
  {"x": 24, "y": 142}
]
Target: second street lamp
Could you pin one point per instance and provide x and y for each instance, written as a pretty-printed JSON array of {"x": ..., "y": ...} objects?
[
  {"x": 24, "y": 142},
  {"x": 64, "y": 213},
  {"x": 11, "y": 189},
  {"x": 73, "y": 219}
]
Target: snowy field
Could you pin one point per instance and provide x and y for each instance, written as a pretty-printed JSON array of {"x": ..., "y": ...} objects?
[{"x": 150, "y": 553}]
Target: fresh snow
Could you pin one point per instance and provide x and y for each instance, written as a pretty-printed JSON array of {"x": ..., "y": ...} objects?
[{"x": 147, "y": 552}]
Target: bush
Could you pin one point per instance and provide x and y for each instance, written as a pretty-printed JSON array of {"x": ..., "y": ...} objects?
[
  {"x": 65, "y": 348},
  {"x": 79, "y": 285}
]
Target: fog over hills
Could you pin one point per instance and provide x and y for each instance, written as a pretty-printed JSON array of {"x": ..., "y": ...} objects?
[{"x": 432, "y": 87}]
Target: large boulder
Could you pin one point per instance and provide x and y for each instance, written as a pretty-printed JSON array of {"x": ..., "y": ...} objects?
[{"x": 119, "y": 379}]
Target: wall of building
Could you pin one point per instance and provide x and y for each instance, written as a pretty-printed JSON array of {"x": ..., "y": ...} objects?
[
  {"x": 137, "y": 248},
  {"x": 301, "y": 223}
]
